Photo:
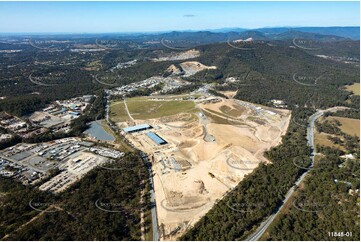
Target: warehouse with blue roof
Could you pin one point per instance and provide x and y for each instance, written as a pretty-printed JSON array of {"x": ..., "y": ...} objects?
[{"x": 158, "y": 140}]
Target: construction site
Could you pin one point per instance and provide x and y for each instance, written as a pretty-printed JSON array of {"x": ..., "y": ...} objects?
[{"x": 199, "y": 152}]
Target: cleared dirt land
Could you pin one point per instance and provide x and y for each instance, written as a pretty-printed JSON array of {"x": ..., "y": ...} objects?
[
  {"x": 189, "y": 54},
  {"x": 192, "y": 67},
  {"x": 212, "y": 143}
]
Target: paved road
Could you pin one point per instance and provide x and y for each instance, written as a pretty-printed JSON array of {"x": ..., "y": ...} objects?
[
  {"x": 310, "y": 141},
  {"x": 204, "y": 121},
  {"x": 152, "y": 200},
  {"x": 151, "y": 183}
]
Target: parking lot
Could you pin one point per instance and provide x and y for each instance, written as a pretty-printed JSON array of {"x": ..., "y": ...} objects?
[{"x": 31, "y": 163}]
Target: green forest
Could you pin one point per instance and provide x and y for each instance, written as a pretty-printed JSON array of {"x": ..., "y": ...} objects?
[{"x": 328, "y": 202}]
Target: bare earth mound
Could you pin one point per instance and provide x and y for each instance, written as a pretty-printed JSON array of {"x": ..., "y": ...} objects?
[
  {"x": 192, "y": 67},
  {"x": 189, "y": 54}
]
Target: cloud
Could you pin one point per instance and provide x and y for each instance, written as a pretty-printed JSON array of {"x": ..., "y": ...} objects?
[{"x": 189, "y": 15}]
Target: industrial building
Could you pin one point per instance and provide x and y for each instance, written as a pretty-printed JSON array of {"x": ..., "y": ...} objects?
[
  {"x": 137, "y": 128},
  {"x": 158, "y": 140}
]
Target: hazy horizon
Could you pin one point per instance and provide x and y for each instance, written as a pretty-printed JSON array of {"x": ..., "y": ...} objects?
[
  {"x": 153, "y": 17},
  {"x": 168, "y": 31}
]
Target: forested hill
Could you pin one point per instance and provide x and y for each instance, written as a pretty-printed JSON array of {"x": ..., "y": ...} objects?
[{"x": 279, "y": 72}]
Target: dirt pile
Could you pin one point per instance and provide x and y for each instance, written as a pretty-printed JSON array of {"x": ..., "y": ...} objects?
[
  {"x": 173, "y": 70},
  {"x": 192, "y": 67},
  {"x": 189, "y": 54}
]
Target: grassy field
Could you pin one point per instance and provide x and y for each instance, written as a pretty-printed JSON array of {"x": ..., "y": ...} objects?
[
  {"x": 348, "y": 125},
  {"x": 322, "y": 139},
  {"x": 143, "y": 108},
  {"x": 117, "y": 112},
  {"x": 354, "y": 88},
  {"x": 158, "y": 109}
]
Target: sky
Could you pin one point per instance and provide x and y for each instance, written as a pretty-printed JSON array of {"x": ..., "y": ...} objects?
[{"x": 106, "y": 17}]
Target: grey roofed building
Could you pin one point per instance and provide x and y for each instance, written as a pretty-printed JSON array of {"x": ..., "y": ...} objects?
[{"x": 137, "y": 128}]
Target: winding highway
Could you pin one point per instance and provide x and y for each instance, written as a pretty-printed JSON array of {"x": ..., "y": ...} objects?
[{"x": 310, "y": 141}]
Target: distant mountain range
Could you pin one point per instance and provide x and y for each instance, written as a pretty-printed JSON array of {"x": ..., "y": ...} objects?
[
  {"x": 327, "y": 34},
  {"x": 219, "y": 35},
  {"x": 205, "y": 37},
  {"x": 289, "y": 34},
  {"x": 346, "y": 32}
]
